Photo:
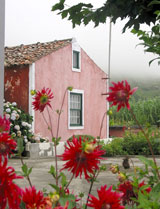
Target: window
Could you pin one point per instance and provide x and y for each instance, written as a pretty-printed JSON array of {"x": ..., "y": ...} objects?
[
  {"x": 76, "y": 59},
  {"x": 76, "y": 109},
  {"x": 76, "y": 56}
]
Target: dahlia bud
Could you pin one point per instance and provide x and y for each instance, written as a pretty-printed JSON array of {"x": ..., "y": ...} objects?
[
  {"x": 114, "y": 169},
  {"x": 109, "y": 112},
  {"x": 54, "y": 197},
  {"x": 89, "y": 148},
  {"x": 70, "y": 88},
  {"x": 33, "y": 92},
  {"x": 121, "y": 177}
]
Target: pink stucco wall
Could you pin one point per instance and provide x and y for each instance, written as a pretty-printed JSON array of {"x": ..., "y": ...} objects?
[{"x": 55, "y": 71}]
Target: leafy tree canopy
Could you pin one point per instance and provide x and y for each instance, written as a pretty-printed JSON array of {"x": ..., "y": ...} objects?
[{"x": 137, "y": 12}]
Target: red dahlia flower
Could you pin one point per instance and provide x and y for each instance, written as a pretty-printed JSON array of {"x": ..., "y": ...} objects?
[
  {"x": 108, "y": 199},
  {"x": 79, "y": 161},
  {"x": 33, "y": 199},
  {"x": 127, "y": 189},
  {"x": 42, "y": 99},
  {"x": 143, "y": 184},
  {"x": 61, "y": 207},
  {"x": 10, "y": 193},
  {"x": 6, "y": 145},
  {"x": 120, "y": 94},
  {"x": 4, "y": 124}
]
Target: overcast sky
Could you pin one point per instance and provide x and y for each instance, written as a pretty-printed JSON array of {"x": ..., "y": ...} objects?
[{"x": 31, "y": 21}]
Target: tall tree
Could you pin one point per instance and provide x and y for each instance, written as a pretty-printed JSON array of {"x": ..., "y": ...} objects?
[{"x": 137, "y": 12}]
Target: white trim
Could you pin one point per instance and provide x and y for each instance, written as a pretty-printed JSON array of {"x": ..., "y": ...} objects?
[
  {"x": 76, "y": 47},
  {"x": 78, "y": 92},
  {"x": 2, "y": 38},
  {"x": 31, "y": 87}
]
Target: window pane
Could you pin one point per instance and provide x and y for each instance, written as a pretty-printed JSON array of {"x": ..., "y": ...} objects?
[
  {"x": 75, "y": 59},
  {"x": 75, "y": 109}
]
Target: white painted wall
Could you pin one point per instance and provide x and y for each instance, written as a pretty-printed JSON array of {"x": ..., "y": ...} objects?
[{"x": 2, "y": 26}]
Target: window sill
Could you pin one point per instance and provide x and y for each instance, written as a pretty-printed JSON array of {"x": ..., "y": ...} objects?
[
  {"x": 76, "y": 127},
  {"x": 76, "y": 70}
]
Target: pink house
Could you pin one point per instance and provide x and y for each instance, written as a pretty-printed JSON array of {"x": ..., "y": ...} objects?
[{"x": 57, "y": 65}]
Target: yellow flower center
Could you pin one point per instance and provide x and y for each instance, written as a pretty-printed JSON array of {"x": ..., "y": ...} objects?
[
  {"x": 89, "y": 148},
  {"x": 44, "y": 99}
]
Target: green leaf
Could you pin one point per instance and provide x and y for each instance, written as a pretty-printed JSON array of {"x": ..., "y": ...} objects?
[
  {"x": 70, "y": 198},
  {"x": 22, "y": 205},
  {"x": 63, "y": 179},
  {"x": 64, "y": 14},
  {"x": 156, "y": 188},
  {"x": 153, "y": 2},
  {"x": 55, "y": 187},
  {"x": 147, "y": 161},
  {"x": 25, "y": 169},
  {"x": 29, "y": 171},
  {"x": 52, "y": 171},
  {"x": 153, "y": 60},
  {"x": 20, "y": 145}
]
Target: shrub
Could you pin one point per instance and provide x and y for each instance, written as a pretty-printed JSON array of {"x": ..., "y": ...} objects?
[
  {"x": 89, "y": 137},
  {"x": 134, "y": 144},
  {"x": 21, "y": 127}
]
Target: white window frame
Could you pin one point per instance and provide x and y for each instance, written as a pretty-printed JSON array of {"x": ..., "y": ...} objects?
[
  {"x": 78, "y": 92},
  {"x": 76, "y": 47}
]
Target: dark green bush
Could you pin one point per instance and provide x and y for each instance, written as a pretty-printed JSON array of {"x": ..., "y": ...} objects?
[
  {"x": 134, "y": 144},
  {"x": 89, "y": 137}
]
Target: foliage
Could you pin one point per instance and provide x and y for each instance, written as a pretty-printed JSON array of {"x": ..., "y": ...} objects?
[
  {"x": 146, "y": 111},
  {"x": 137, "y": 12},
  {"x": 140, "y": 189},
  {"x": 151, "y": 39},
  {"x": 89, "y": 137},
  {"x": 134, "y": 144}
]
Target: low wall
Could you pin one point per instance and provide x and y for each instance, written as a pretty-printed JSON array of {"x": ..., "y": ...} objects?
[
  {"x": 118, "y": 131},
  {"x": 37, "y": 150}
]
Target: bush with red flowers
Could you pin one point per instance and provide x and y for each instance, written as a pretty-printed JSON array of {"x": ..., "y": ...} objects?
[{"x": 81, "y": 157}]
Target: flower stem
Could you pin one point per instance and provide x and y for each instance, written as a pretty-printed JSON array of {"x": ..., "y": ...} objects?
[
  {"x": 90, "y": 189},
  {"x": 27, "y": 177},
  {"x": 55, "y": 146},
  {"x": 149, "y": 143},
  {"x": 74, "y": 172},
  {"x": 59, "y": 114},
  {"x": 101, "y": 125}
]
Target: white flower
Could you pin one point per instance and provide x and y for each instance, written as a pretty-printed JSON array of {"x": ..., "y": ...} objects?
[
  {"x": 13, "y": 134},
  {"x": 7, "y": 116},
  {"x": 17, "y": 127},
  {"x": 24, "y": 123},
  {"x": 19, "y": 111},
  {"x": 14, "y": 103},
  {"x": 13, "y": 117},
  {"x": 18, "y": 133},
  {"x": 29, "y": 125},
  {"x": 25, "y": 137},
  {"x": 8, "y": 110},
  {"x": 14, "y": 111},
  {"x": 17, "y": 116},
  {"x": 25, "y": 140}
]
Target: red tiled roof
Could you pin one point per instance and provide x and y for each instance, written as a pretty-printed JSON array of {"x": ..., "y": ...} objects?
[{"x": 27, "y": 54}]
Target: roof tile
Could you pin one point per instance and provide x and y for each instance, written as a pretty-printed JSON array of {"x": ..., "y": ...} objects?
[{"x": 27, "y": 54}]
